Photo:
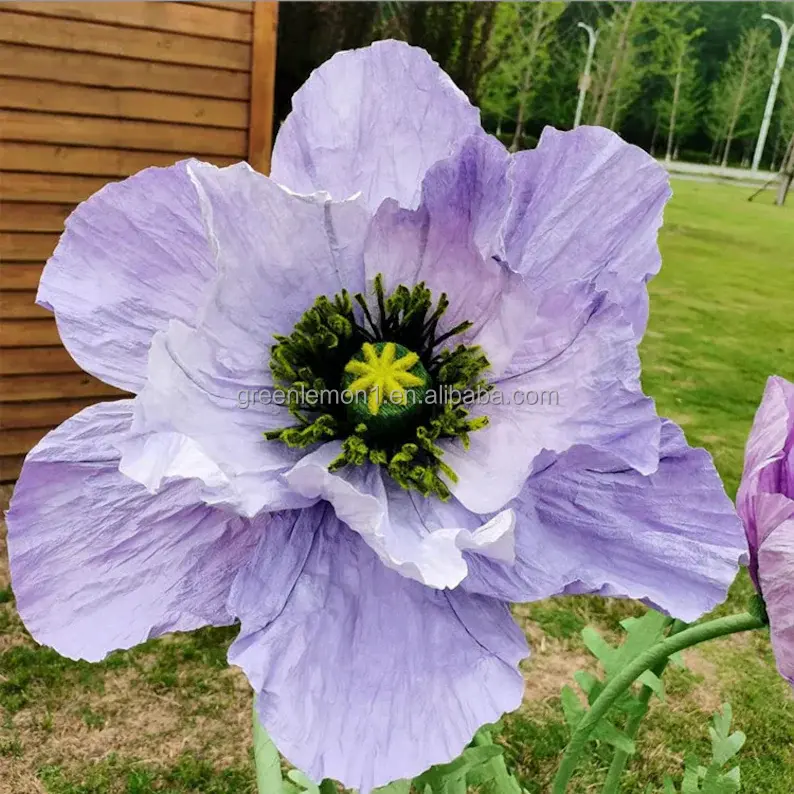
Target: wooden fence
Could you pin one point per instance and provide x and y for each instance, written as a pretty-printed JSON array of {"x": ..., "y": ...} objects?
[{"x": 91, "y": 92}]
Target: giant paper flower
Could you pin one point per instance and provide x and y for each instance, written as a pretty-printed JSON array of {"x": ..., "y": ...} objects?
[
  {"x": 368, "y": 550},
  {"x": 766, "y": 505}
]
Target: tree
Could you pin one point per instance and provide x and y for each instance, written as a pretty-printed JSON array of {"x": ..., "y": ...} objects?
[
  {"x": 738, "y": 96},
  {"x": 523, "y": 34},
  {"x": 675, "y": 60},
  {"x": 621, "y": 21}
]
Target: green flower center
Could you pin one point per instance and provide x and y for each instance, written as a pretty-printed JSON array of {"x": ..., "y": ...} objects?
[
  {"x": 388, "y": 385},
  {"x": 385, "y": 387}
]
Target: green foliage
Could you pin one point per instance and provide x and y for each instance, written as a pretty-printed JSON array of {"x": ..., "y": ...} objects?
[
  {"x": 641, "y": 634},
  {"x": 738, "y": 97},
  {"x": 523, "y": 33},
  {"x": 714, "y": 778}
]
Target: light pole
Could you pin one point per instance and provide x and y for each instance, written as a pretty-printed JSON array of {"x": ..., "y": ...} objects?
[
  {"x": 584, "y": 82},
  {"x": 785, "y": 38}
]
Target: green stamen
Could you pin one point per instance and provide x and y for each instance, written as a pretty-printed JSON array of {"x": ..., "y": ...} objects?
[{"x": 393, "y": 368}]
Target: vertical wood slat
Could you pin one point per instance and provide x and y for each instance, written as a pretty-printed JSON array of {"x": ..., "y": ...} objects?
[
  {"x": 40, "y": 385},
  {"x": 263, "y": 74}
]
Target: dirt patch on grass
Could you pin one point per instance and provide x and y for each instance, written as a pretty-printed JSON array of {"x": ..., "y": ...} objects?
[
  {"x": 122, "y": 712},
  {"x": 131, "y": 720},
  {"x": 706, "y": 693},
  {"x": 546, "y": 673}
]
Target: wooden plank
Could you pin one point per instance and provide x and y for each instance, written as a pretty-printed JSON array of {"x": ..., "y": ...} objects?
[
  {"x": 231, "y": 5},
  {"x": 21, "y": 441},
  {"x": 27, "y": 247},
  {"x": 147, "y": 45},
  {"x": 19, "y": 125},
  {"x": 263, "y": 78},
  {"x": 15, "y": 276},
  {"x": 207, "y": 22},
  {"x": 10, "y": 467},
  {"x": 53, "y": 188},
  {"x": 46, "y": 414},
  {"x": 32, "y": 360},
  {"x": 28, "y": 333},
  {"x": 47, "y": 158},
  {"x": 113, "y": 72},
  {"x": 29, "y": 217},
  {"x": 53, "y": 387},
  {"x": 21, "y": 94},
  {"x": 20, "y": 306}
]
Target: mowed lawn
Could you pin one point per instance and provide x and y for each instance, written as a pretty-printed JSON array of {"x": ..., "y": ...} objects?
[{"x": 172, "y": 717}]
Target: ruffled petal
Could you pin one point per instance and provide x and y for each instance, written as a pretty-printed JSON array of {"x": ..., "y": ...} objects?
[
  {"x": 362, "y": 675},
  {"x": 766, "y": 466},
  {"x": 423, "y": 539},
  {"x": 587, "y": 395},
  {"x": 99, "y": 564},
  {"x": 206, "y": 403},
  {"x": 132, "y": 257},
  {"x": 371, "y": 121},
  {"x": 776, "y": 578},
  {"x": 451, "y": 243},
  {"x": 586, "y": 210},
  {"x": 671, "y": 539}
]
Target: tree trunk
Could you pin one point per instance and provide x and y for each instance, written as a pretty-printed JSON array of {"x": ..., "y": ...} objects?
[
  {"x": 614, "y": 66},
  {"x": 478, "y": 59},
  {"x": 737, "y": 108},
  {"x": 676, "y": 94},
  {"x": 775, "y": 151},
  {"x": 654, "y": 136},
  {"x": 613, "y": 122},
  {"x": 714, "y": 148},
  {"x": 786, "y": 175},
  {"x": 534, "y": 43}
]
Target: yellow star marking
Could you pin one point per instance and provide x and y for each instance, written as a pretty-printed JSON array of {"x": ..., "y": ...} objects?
[{"x": 383, "y": 376}]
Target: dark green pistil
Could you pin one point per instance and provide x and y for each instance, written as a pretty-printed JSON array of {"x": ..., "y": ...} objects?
[{"x": 320, "y": 355}]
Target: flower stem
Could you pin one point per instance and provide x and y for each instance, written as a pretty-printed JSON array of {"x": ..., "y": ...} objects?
[
  {"x": 626, "y": 677},
  {"x": 621, "y": 757}
]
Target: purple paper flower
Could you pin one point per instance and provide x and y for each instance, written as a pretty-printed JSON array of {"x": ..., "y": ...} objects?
[
  {"x": 766, "y": 504},
  {"x": 367, "y": 553}
]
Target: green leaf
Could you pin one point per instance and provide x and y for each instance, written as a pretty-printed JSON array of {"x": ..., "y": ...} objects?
[
  {"x": 669, "y": 786},
  {"x": 396, "y": 787},
  {"x": 267, "y": 762},
  {"x": 724, "y": 745},
  {"x": 304, "y": 785},
  {"x": 492, "y": 777},
  {"x": 600, "y": 648},
  {"x": 691, "y": 782},
  {"x": 677, "y": 659},
  {"x": 590, "y": 684},
  {"x": 607, "y": 732},
  {"x": 451, "y": 778},
  {"x": 571, "y": 706},
  {"x": 653, "y": 682}
]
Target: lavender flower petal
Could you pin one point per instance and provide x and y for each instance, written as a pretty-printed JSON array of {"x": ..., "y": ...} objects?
[
  {"x": 371, "y": 121},
  {"x": 449, "y": 243},
  {"x": 423, "y": 539},
  {"x": 586, "y": 211},
  {"x": 587, "y": 395},
  {"x": 766, "y": 504},
  {"x": 671, "y": 539},
  {"x": 362, "y": 675},
  {"x": 97, "y": 562},
  {"x": 276, "y": 253},
  {"x": 133, "y": 256}
]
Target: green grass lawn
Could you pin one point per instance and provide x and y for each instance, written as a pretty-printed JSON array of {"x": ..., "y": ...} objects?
[{"x": 172, "y": 717}]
